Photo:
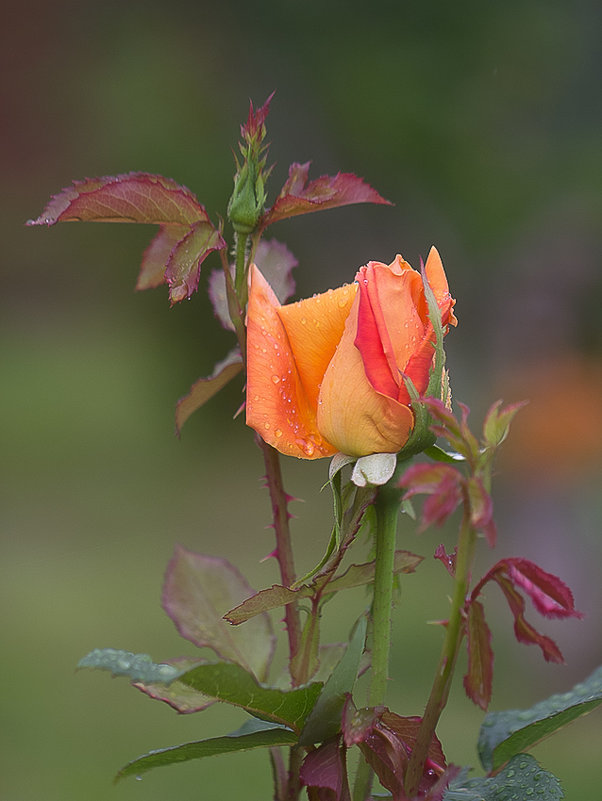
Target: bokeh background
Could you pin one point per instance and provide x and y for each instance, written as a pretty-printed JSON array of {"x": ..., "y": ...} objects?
[{"x": 481, "y": 122}]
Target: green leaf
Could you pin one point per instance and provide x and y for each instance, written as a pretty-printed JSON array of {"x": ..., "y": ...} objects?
[
  {"x": 178, "y": 696},
  {"x": 205, "y": 388},
  {"x": 324, "y": 720},
  {"x": 259, "y": 735},
  {"x": 198, "y": 590},
  {"x": 278, "y": 595},
  {"x": 504, "y": 734},
  {"x": 358, "y": 575},
  {"x": 232, "y": 684},
  {"x": 520, "y": 780},
  {"x": 138, "y": 667}
]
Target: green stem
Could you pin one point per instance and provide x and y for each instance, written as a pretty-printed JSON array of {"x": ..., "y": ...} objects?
[
  {"x": 240, "y": 274},
  {"x": 454, "y": 633},
  {"x": 387, "y": 511}
]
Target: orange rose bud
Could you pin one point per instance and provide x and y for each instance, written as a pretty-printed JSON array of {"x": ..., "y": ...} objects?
[{"x": 326, "y": 374}]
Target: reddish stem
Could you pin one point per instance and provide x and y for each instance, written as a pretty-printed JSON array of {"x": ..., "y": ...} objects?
[{"x": 284, "y": 550}]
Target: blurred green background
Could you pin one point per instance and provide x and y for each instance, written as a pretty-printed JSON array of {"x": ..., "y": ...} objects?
[{"x": 481, "y": 121}]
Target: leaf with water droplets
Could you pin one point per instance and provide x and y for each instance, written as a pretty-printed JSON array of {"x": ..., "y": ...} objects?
[
  {"x": 132, "y": 197},
  {"x": 521, "y": 779},
  {"x": 503, "y": 734},
  {"x": 138, "y": 667}
]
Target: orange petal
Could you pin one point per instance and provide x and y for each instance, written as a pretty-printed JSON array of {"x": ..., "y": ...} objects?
[
  {"x": 438, "y": 283},
  {"x": 314, "y": 327},
  {"x": 355, "y": 418},
  {"x": 277, "y": 407}
]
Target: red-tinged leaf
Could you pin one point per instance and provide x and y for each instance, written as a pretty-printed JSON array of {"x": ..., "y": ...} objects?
[
  {"x": 386, "y": 741},
  {"x": 444, "y": 486},
  {"x": 156, "y": 256},
  {"x": 327, "y": 192},
  {"x": 523, "y": 631},
  {"x": 551, "y": 596},
  {"x": 184, "y": 263},
  {"x": 447, "y": 559},
  {"x": 255, "y": 124},
  {"x": 497, "y": 422},
  {"x": 478, "y": 680},
  {"x": 177, "y": 695},
  {"x": 198, "y": 590},
  {"x": 133, "y": 197},
  {"x": 425, "y": 478},
  {"x": 205, "y": 388},
  {"x": 481, "y": 509},
  {"x": 324, "y": 773},
  {"x": 388, "y": 747}
]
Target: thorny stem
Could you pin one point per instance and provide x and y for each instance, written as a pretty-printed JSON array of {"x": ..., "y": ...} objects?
[
  {"x": 449, "y": 652},
  {"x": 387, "y": 511},
  {"x": 284, "y": 550},
  {"x": 237, "y": 300}
]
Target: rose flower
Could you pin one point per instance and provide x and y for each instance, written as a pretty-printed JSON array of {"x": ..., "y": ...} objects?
[{"x": 326, "y": 374}]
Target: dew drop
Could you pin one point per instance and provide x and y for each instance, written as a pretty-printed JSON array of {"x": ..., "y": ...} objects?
[
  {"x": 276, "y": 379},
  {"x": 266, "y": 426},
  {"x": 303, "y": 321},
  {"x": 138, "y": 778},
  {"x": 278, "y": 432}
]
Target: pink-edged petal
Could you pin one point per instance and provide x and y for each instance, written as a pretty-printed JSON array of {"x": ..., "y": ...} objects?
[
  {"x": 327, "y": 192},
  {"x": 355, "y": 418},
  {"x": 133, "y": 197},
  {"x": 277, "y": 407}
]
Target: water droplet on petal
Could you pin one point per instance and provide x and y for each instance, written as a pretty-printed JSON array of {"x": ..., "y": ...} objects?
[
  {"x": 278, "y": 432},
  {"x": 276, "y": 379}
]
